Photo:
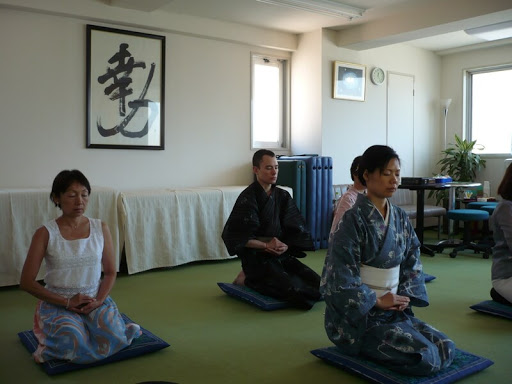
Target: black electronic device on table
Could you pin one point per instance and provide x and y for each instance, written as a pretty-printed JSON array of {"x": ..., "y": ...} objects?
[{"x": 417, "y": 180}]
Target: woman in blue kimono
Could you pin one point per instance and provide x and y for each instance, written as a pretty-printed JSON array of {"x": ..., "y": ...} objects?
[{"x": 373, "y": 276}]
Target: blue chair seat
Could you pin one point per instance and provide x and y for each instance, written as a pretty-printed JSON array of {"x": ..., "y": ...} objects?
[
  {"x": 488, "y": 208},
  {"x": 467, "y": 216},
  {"x": 478, "y": 204}
]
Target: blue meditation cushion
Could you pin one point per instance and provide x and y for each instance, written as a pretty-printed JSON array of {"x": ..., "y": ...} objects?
[
  {"x": 493, "y": 308},
  {"x": 241, "y": 292},
  {"x": 464, "y": 364},
  {"x": 428, "y": 278},
  {"x": 145, "y": 343}
]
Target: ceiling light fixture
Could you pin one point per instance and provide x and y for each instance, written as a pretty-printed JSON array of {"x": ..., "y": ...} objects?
[
  {"x": 323, "y": 7},
  {"x": 492, "y": 32}
]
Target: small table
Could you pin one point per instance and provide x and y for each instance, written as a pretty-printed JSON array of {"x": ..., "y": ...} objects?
[
  {"x": 453, "y": 187},
  {"x": 420, "y": 209}
]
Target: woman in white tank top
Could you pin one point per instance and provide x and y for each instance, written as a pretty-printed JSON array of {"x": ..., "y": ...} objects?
[{"x": 75, "y": 318}]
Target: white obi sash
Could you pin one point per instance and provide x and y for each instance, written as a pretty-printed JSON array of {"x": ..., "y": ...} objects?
[{"x": 379, "y": 280}]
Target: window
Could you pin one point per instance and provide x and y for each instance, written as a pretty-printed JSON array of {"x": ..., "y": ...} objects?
[
  {"x": 489, "y": 109},
  {"x": 269, "y": 102}
]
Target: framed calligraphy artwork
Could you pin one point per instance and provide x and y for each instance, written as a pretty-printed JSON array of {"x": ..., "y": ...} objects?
[
  {"x": 349, "y": 81},
  {"x": 125, "y": 89}
]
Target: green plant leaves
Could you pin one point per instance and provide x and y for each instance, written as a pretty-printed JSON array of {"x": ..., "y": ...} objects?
[{"x": 460, "y": 163}]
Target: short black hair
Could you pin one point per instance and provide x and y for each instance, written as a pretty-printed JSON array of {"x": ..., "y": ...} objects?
[
  {"x": 258, "y": 156},
  {"x": 505, "y": 187},
  {"x": 375, "y": 157},
  {"x": 64, "y": 179},
  {"x": 354, "y": 167}
]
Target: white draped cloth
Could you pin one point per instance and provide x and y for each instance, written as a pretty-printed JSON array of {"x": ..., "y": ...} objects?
[
  {"x": 22, "y": 211},
  {"x": 166, "y": 227},
  {"x": 158, "y": 228}
]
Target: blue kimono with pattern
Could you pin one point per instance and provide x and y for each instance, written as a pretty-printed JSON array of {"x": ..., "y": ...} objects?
[{"x": 394, "y": 338}]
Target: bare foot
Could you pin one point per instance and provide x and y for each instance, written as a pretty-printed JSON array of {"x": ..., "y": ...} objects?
[{"x": 240, "y": 279}]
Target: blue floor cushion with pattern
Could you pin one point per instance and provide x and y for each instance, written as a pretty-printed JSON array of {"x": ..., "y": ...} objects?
[
  {"x": 244, "y": 293},
  {"x": 145, "y": 343},
  {"x": 428, "y": 278},
  {"x": 464, "y": 364},
  {"x": 493, "y": 308}
]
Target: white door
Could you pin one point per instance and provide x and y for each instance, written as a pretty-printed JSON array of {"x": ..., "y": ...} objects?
[{"x": 400, "y": 124}]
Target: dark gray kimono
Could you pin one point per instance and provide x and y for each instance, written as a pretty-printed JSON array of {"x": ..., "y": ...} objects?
[
  {"x": 257, "y": 215},
  {"x": 352, "y": 322}
]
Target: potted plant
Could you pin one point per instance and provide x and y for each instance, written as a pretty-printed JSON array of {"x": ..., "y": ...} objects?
[{"x": 460, "y": 163}]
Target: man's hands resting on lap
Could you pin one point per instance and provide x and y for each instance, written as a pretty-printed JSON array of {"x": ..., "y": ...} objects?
[{"x": 276, "y": 247}]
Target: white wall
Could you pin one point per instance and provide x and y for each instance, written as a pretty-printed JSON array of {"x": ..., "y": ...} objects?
[
  {"x": 207, "y": 109},
  {"x": 349, "y": 127},
  {"x": 42, "y": 109},
  {"x": 307, "y": 95},
  {"x": 453, "y": 67}
]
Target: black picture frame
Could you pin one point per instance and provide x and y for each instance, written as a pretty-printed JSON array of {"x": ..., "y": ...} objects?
[{"x": 125, "y": 89}]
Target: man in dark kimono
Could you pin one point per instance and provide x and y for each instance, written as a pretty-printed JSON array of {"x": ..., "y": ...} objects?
[{"x": 268, "y": 233}]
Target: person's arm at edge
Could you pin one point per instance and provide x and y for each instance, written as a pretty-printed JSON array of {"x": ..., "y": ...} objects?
[{"x": 504, "y": 220}]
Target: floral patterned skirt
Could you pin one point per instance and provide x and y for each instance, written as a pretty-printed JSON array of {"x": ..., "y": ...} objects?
[{"x": 81, "y": 339}]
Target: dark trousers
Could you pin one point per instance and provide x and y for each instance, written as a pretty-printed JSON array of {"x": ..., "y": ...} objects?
[{"x": 282, "y": 277}]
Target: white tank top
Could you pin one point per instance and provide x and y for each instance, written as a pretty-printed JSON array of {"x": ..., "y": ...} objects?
[{"x": 74, "y": 266}]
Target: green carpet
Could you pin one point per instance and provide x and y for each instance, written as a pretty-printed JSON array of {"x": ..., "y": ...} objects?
[{"x": 217, "y": 339}]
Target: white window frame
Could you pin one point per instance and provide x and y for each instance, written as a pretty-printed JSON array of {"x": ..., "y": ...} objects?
[
  {"x": 283, "y": 64},
  {"x": 469, "y": 104}
]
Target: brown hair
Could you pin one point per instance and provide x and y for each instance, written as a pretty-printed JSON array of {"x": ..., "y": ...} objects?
[
  {"x": 354, "y": 167},
  {"x": 375, "y": 157},
  {"x": 505, "y": 187},
  {"x": 64, "y": 179},
  {"x": 258, "y": 156}
]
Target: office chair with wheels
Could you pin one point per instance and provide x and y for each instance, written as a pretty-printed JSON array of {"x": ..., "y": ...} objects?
[{"x": 468, "y": 216}]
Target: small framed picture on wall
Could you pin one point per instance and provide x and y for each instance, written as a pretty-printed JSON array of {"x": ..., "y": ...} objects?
[{"x": 349, "y": 81}]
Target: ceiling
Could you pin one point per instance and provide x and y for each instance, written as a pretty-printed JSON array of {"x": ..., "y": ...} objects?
[{"x": 447, "y": 35}]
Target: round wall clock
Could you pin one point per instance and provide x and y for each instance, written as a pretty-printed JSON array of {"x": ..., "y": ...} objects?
[{"x": 377, "y": 76}]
